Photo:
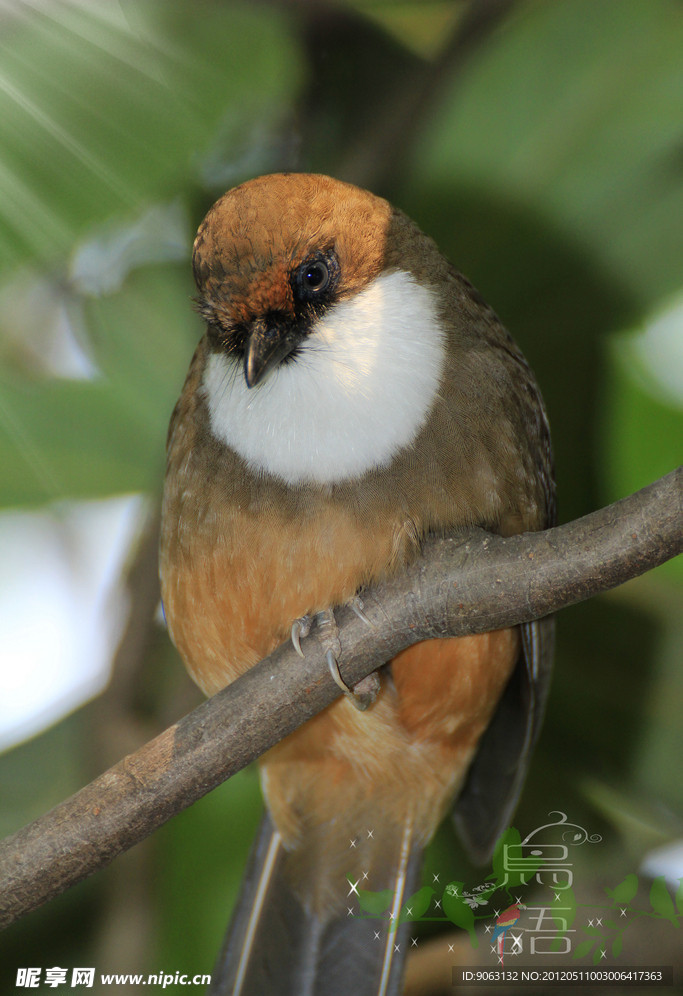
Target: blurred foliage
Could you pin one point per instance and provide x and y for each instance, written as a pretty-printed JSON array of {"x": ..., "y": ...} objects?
[{"x": 545, "y": 161}]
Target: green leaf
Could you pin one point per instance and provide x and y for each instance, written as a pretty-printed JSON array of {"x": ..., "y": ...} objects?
[
  {"x": 73, "y": 439},
  {"x": 103, "y": 109},
  {"x": 500, "y": 876},
  {"x": 661, "y": 900},
  {"x": 599, "y": 954},
  {"x": 582, "y": 949},
  {"x": 87, "y": 439},
  {"x": 564, "y": 909},
  {"x": 617, "y": 945},
  {"x": 586, "y": 135},
  {"x": 641, "y": 425}
]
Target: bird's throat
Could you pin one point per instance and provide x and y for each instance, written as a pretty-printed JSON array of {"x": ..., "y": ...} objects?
[{"x": 359, "y": 390}]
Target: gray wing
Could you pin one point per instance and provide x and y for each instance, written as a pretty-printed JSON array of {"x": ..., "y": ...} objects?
[{"x": 494, "y": 782}]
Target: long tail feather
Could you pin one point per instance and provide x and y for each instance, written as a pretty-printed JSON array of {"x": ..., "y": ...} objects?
[
  {"x": 277, "y": 947},
  {"x": 494, "y": 782}
]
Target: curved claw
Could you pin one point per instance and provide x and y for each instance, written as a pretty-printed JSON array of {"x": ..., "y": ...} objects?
[
  {"x": 300, "y": 629},
  {"x": 361, "y": 695},
  {"x": 357, "y": 606},
  {"x": 333, "y": 668}
]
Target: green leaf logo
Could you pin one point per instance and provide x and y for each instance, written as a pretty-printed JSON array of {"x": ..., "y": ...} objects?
[
  {"x": 417, "y": 905},
  {"x": 625, "y": 891},
  {"x": 375, "y": 902},
  {"x": 662, "y": 903},
  {"x": 679, "y": 896},
  {"x": 459, "y": 913}
]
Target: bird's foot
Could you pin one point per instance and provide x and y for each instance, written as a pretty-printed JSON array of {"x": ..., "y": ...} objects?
[{"x": 364, "y": 693}]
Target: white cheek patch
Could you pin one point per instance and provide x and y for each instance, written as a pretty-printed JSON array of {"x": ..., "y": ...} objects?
[{"x": 358, "y": 391}]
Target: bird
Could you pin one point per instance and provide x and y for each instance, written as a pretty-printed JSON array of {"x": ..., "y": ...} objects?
[
  {"x": 352, "y": 394},
  {"x": 507, "y": 919}
]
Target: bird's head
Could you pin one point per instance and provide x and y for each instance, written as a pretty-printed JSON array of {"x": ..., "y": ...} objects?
[{"x": 326, "y": 346}]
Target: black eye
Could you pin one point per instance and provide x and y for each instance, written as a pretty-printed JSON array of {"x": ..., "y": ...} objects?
[{"x": 316, "y": 277}]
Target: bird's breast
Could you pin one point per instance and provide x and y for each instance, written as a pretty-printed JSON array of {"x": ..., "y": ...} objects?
[{"x": 234, "y": 581}]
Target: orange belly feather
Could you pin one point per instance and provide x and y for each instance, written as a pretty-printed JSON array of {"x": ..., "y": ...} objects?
[{"x": 234, "y": 600}]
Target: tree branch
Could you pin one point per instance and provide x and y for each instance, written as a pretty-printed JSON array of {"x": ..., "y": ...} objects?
[{"x": 468, "y": 583}]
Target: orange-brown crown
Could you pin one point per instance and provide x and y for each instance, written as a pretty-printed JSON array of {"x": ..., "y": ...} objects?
[{"x": 255, "y": 236}]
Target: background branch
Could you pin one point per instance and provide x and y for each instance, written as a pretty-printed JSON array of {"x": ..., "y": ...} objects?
[{"x": 468, "y": 583}]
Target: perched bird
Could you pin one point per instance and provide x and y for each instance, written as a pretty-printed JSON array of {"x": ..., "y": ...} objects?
[
  {"x": 352, "y": 394},
  {"x": 507, "y": 919}
]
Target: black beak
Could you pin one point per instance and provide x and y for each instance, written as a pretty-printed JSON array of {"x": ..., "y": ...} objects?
[{"x": 269, "y": 342}]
